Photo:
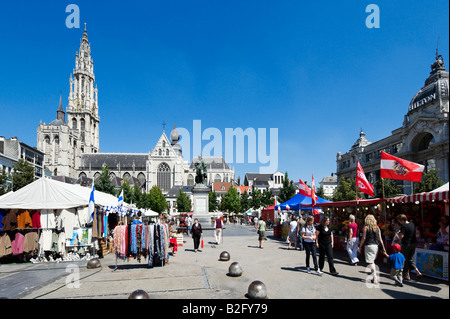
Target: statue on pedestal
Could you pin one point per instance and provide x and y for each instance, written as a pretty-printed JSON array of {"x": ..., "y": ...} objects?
[{"x": 200, "y": 172}]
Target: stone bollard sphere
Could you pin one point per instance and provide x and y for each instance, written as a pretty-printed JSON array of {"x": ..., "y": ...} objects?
[
  {"x": 235, "y": 269},
  {"x": 224, "y": 256},
  {"x": 93, "y": 263},
  {"x": 138, "y": 294},
  {"x": 257, "y": 290}
]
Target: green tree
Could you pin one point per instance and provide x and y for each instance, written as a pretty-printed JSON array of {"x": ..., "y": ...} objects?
[
  {"x": 429, "y": 182},
  {"x": 391, "y": 189},
  {"x": 267, "y": 198},
  {"x": 256, "y": 201},
  {"x": 346, "y": 190},
  {"x": 231, "y": 202},
  {"x": 137, "y": 197},
  {"x": 3, "y": 182},
  {"x": 183, "y": 202},
  {"x": 245, "y": 201},
  {"x": 103, "y": 182},
  {"x": 127, "y": 192},
  {"x": 287, "y": 191},
  {"x": 23, "y": 174},
  {"x": 158, "y": 202},
  {"x": 213, "y": 202}
]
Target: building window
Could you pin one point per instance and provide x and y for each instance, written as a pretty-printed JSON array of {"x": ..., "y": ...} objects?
[
  {"x": 190, "y": 180},
  {"x": 163, "y": 177}
]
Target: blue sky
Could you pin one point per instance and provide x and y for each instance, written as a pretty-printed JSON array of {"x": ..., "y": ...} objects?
[{"x": 311, "y": 69}]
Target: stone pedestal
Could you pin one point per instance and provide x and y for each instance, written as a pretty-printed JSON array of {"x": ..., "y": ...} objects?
[{"x": 200, "y": 195}]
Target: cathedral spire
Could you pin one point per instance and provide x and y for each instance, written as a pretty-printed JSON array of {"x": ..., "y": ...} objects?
[
  {"x": 85, "y": 36},
  {"x": 60, "y": 114}
]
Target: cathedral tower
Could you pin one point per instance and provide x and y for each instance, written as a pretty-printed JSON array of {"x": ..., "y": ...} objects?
[
  {"x": 82, "y": 111},
  {"x": 63, "y": 142}
]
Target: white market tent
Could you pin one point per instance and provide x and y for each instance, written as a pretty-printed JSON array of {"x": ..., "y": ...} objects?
[
  {"x": 51, "y": 194},
  {"x": 149, "y": 212}
]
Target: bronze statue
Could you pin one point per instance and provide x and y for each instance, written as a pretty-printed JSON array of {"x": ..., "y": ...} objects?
[{"x": 200, "y": 171}]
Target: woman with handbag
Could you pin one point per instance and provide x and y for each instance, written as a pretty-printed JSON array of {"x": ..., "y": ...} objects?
[
  {"x": 371, "y": 239},
  {"x": 196, "y": 231}
]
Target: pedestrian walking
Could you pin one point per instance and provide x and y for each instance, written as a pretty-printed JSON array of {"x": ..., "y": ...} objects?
[
  {"x": 218, "y": 230},
  {"x": 309, "y": 241},
  {"x": 189, "y": 223},
  {"x": 293, "y": 233},
  {"x": 325, "y": 243},
  {"x": 301, "y": 224},
  {"x": 370, "y": 241},
  {"x": 408, "y": 238},
  {"x": 197, "y": 234},
  {"x": 353, "y": 241},
  {"x": 261, "y": 232},
  {"x": 398, "y": 261}
]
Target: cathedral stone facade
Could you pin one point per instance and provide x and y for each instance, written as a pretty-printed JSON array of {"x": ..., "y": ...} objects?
[
  {"x": 423, "y": 137},
  {"x": 72, "y": 148}
]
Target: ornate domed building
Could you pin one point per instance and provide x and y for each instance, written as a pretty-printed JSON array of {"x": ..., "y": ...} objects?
[{"x": 423, "y": 137}]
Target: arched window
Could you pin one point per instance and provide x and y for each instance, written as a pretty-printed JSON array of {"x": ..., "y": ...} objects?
[
  {"x": 142, "y": 180},
  {"x": 190, "y": 180},
  {"x": 74, "y": 123},
  {"x": 163, "y": 177},
  {"x": 167, "y": 152},
  {"x": 127, "y": 177},
  {"x": 160, "y": 152},
  {"x": 217, "y": 179}
]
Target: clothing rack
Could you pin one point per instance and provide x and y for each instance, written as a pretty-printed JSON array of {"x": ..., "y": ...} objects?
[{"x": 152, "y": 242}]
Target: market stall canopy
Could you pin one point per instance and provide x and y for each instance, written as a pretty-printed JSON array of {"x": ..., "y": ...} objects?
[
  {"x": 358, "y": 202},
  {"x": 46, "y": 193},
  {"x": 149, "y": 212},
  {"x": 300, "y": 201},
  {"x": 439, "y": 194}
]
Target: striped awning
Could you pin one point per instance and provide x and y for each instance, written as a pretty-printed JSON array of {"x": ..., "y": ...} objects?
[{"x": 420, "y": 197}]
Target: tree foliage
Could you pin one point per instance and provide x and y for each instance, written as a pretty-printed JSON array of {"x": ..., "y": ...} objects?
[
  {"x": 245, "y": 202},
  {"x": 183, "y": 202},
  {"x": 430, "y": 181},
  {"x": 287, "y": 191},
  {"x": 103, "y": 182},
  {"x": 3, "y": 182},
  {"x": 23, "y": 174},
  {"x": 213, "y": 202},
  {"x": 158, "y": 202},
  {"x": 346, "y": 190},
  {"x": 231, "y": 202},
  {"x": 391, "y": 189}
]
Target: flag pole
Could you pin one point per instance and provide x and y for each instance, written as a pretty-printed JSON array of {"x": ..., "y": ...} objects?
[{"x": 384, "y": 208}]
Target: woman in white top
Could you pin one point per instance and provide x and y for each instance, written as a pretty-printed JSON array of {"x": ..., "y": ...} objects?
[{"x": 309, "y": 242}]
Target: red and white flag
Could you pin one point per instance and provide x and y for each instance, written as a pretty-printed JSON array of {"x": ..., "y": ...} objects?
[
  {"x": 361, "y": 181},
  {"x": 304, "y": 189},
  {"x": 396, "y": 168},
  {"x": 313, "y": 192}
]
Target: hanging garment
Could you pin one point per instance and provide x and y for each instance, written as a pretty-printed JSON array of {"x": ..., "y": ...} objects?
[
  {"x": 10, "y": 221},
  {"x": 5, "y": 245},
  {"x": 17, "y": 244},
  {"x": 30, "y": 243},
  {"x": 47, "y": 221},
  {"x": 24, "y": 219},
  {"x": 2, "y": 215},
  {"x": 67, "y": 220},
  {"x": 36, "y": 219}
]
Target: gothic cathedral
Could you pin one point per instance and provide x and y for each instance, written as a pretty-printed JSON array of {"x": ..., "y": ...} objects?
[{"x": 63, "y": 142}]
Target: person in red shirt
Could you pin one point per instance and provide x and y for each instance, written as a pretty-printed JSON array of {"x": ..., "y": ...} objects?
[{"x": 353, "y": 241}]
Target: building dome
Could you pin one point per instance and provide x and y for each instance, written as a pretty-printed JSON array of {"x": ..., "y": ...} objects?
[
  {"x": 174, "y": 136},
  {"x": 435, "y": 88}
]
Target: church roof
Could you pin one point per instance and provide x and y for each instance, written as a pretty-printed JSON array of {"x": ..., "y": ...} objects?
[
  {"x": 212, "y": 162},
  {"x": 114, "y": 161}
]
